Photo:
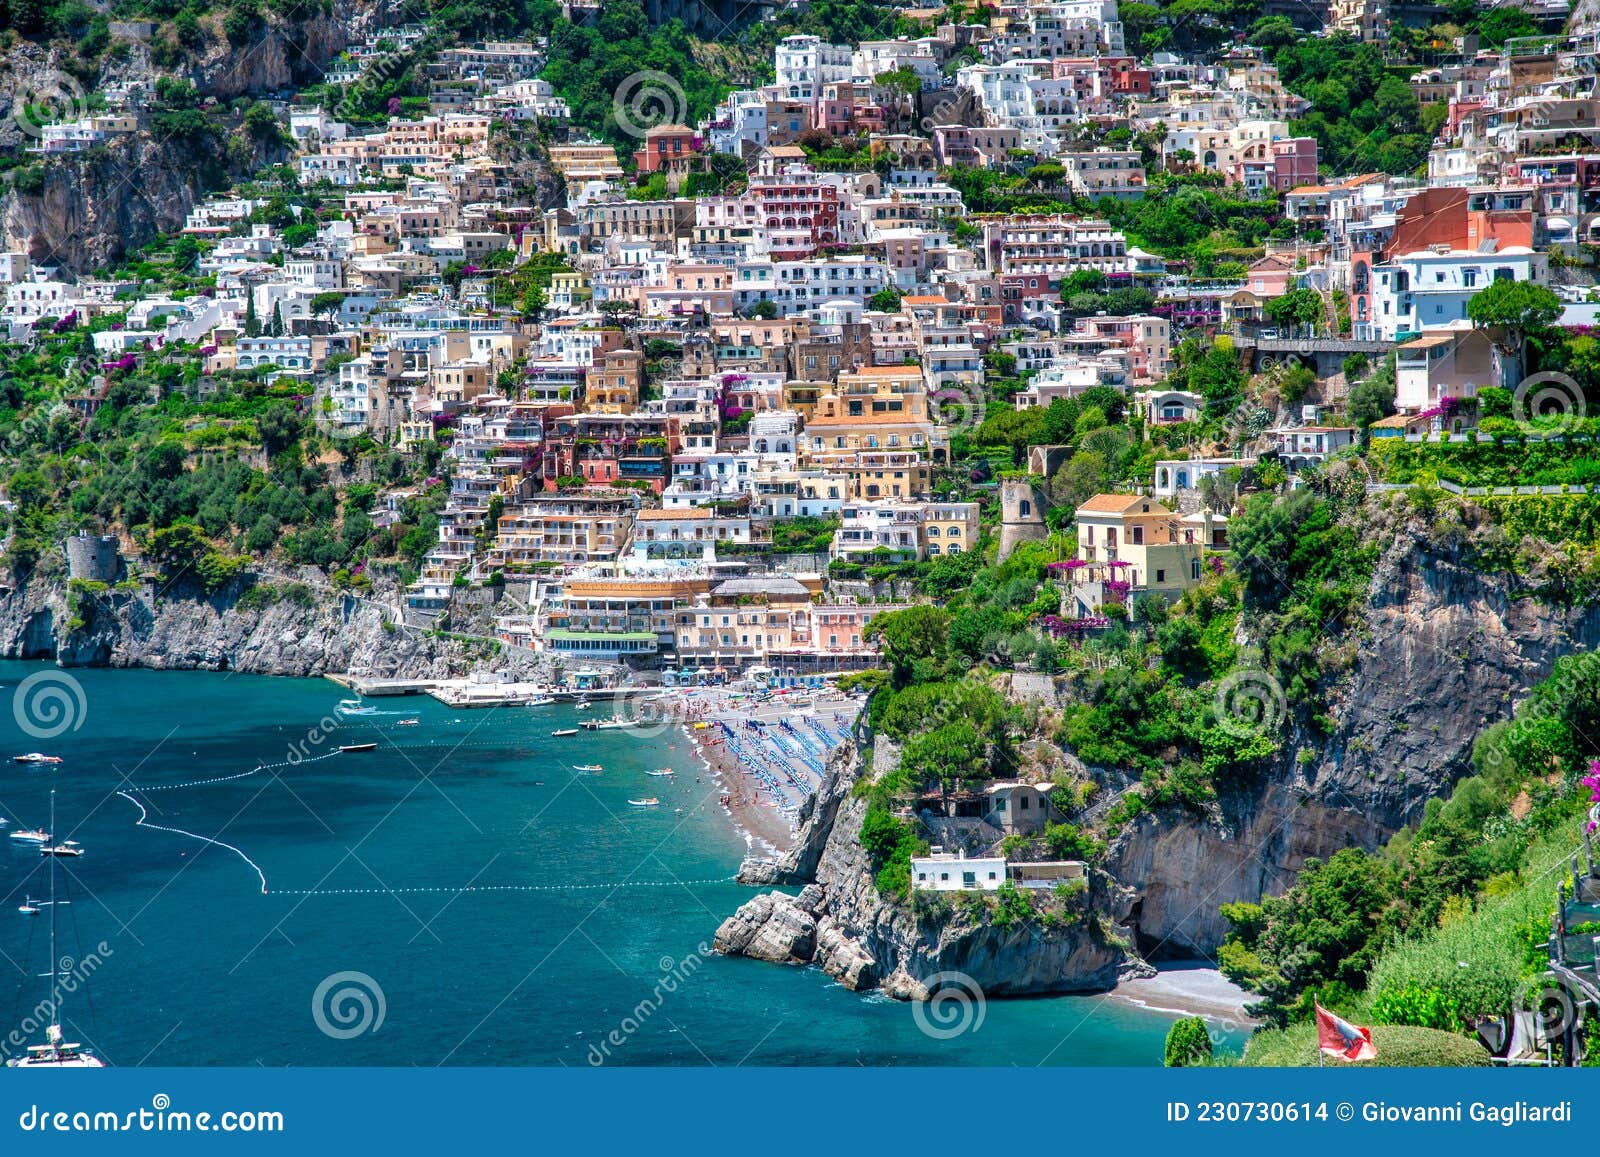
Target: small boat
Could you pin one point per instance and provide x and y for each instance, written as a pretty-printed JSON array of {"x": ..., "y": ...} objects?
[
  {"x": 563, "y": 732},
  {"x": 354, "y": 707},
  {"x": 651, "y": 802},
  {"x": 36, "y": 757},
  {"x": 64, "y": 848},
  {"x": 587, "y": 767},
  {"x": 616, "y": 723},
  {"x": 541, "y": 701},
  {"x": 28, "y": 907},
  {"x": 56, "y": 1052},
  {"x": 583, "y": 705},
  {"x": 662, "y": 771},
  {"x": 31, "y": 836},
  {"x": 409, "y": 723},
  {"x": 357, "y": 747}
]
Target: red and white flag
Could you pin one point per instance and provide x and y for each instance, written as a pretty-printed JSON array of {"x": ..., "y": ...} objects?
[{"x": 1339, "y": 1038}]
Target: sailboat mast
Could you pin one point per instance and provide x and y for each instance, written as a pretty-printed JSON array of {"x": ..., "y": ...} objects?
[{"x": 55, "y": 974}]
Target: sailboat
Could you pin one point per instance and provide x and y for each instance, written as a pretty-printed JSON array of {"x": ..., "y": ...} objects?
[{"x": 56, "y": 1052}]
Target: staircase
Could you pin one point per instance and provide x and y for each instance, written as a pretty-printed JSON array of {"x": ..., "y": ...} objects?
[{"x": 1572, "y": 954}]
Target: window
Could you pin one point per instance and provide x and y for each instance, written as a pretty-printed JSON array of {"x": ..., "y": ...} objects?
[
  {"x": 1161, "y": 576},
  {"x": 1194, "y": 569}
]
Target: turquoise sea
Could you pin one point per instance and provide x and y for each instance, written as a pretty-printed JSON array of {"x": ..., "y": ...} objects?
[{"x": 603, "y": 944}]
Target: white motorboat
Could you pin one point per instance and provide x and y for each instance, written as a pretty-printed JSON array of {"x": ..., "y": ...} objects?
[
  {"x": 354, "y": 707},
  {"x": 36, "y": 757},
  {"x": 652, "y": 801},
  {"x": 31, "y": 836},
  {"x": 541, "y": 701}
]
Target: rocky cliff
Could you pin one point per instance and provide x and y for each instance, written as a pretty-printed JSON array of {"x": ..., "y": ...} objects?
[
  {"x": 97, "y": 206},
  {"x": 841, "y": 923},
  {"x": 39, "y": 619},
  {"x": 1445, "y": 648}
]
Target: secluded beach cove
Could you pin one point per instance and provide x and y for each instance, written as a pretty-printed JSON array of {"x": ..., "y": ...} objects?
[{"x": 491, "y": 903}]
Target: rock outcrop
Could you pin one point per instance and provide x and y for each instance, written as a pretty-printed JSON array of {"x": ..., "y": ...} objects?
[
  {"x": 1446, "y": 648},
  {"x": 334, "y": 634},
  {"x": 841, "y": 923}
]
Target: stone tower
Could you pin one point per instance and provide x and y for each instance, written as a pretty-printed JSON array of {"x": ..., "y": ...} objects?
[
  {"x": 94, "y": 558},
  {"x": 1021, "y": 515},
  {"x": 699, "y": 358}
]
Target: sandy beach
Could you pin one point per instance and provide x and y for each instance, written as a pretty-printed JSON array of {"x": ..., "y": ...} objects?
[
  {"x": 760, "y": 791},
  {"x": 1190, "y": 989}
]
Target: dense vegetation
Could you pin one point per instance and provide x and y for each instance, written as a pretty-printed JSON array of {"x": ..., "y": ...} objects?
[{"x": 1387, "y": 932}]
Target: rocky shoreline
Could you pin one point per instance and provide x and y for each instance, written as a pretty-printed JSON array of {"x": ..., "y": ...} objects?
[
  {"x": 840, "y": 923},
  {"x": 42, "y": 618}
]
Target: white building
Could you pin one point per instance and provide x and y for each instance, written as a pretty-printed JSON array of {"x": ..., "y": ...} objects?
[
  {"x": 941, "y": 871},
  {"x": 805, "y": 63},
  {"x": 1430, "y": 288}
]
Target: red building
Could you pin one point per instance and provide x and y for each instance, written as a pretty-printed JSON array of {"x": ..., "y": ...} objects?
[{"x": 671, "y": 149}]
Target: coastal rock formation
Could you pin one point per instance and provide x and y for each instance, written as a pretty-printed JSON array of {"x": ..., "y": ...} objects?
[
  {"x": 772, "y": 927},
  {"x": 1445, "y": 649},
  {"x": 840, "y": 922},
  {"x": 39, "y": 619},
  {"x": 1446, "y": 646}
]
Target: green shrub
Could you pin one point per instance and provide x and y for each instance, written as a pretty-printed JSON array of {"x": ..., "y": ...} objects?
[
  {"x": 1399, "y": 1046},
  {"x": 1188, "y": 1043}
]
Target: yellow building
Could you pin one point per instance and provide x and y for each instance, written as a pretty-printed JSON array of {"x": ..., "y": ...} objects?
[
  {"x": 950, "y": 527},
  {"x": 1128, "y": 538},
  {"x": 874, "y": 408}
]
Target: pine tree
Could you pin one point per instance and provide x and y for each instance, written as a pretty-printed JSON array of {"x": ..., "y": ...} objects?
[
  {"x": 277, "y": 319},
  {"x": 252, "y": 324}
]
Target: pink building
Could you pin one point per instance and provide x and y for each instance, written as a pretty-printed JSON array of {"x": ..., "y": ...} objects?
[{"x": 1294, "y": 163}]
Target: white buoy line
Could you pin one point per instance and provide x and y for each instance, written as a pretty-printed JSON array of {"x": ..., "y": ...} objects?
[{"x": 144, "y": 822}]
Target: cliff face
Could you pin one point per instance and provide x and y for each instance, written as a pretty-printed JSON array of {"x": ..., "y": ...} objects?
[
  {"x": 1443, "y": 650},
  {"x": 176, "y": 632},
  {"x": 1446, "y": 650},
  {"x": 839, "y": 921},
  {"x": 95, "y": 208}
]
